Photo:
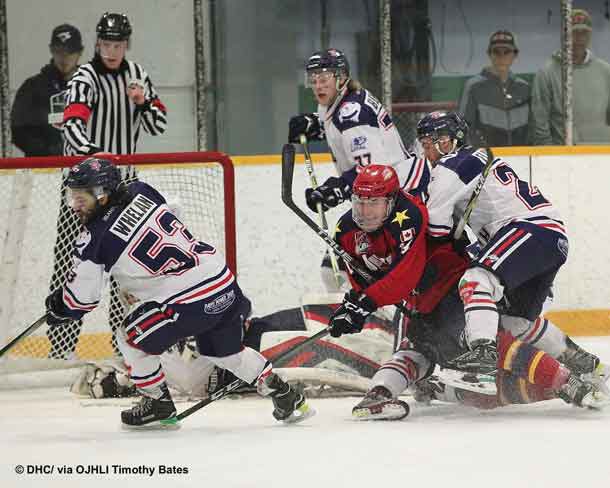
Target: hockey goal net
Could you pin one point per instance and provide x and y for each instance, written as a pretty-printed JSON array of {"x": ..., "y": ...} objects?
[
  {"x": 37, "y": 233},
  {"x": 406, "y": 115}
]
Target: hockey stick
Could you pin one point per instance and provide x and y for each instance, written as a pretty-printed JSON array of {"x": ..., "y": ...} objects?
[
  {"x": 323, "y": 222},
  {"x": 287, "y": 176},
  {"x": 234, "y": 385},
  {"x": 459, "y": 229},
  {"x": 24, "y": 334}
]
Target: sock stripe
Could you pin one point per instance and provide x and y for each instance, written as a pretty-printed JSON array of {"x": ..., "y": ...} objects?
[{"x": 532, "y": 369}]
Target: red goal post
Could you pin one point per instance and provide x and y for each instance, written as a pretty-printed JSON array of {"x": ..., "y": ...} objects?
[{"x": 35, "y": 240}]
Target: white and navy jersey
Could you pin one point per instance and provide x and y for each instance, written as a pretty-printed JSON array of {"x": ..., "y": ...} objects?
[
  {"x": 359, "y": 131},
  {"x": 504, "y": 197},
  {"x": 148, "y": 251},
  {"x": 99, "y": 116}
]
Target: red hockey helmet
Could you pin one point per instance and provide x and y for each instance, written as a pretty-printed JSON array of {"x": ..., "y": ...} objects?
[{"x": 373, "y": 196}]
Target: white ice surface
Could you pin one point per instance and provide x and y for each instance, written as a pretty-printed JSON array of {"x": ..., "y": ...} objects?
[{"x": 236, "y": 443}]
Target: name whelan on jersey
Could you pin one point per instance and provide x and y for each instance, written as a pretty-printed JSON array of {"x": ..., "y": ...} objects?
[{"x": 130, "y": 219}]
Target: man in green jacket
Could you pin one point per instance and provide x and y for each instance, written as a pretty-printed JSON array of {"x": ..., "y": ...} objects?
[{"x": 590, "y": 93}]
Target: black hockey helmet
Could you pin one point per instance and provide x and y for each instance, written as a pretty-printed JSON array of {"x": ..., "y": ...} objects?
[
  {"x": 113, "y": 27},
  {"x": 100, "y": 175},
  {"x": 328, "y": 60},
  {"x": 436, "y": 124}
]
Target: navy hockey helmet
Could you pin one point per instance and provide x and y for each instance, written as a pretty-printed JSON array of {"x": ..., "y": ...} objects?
[
  {"x": 437, "y": 124},
  {"x": 328, "y": 60},
  {"x": 113, "y": 27},
  {"x": 97, "y": 174}
]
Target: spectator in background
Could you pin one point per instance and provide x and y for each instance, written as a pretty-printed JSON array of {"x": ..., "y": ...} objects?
[
  {"x": 30, "y": 126},
  {"x": 495, "y": 103},
  {"x": 590, "y": 92}
]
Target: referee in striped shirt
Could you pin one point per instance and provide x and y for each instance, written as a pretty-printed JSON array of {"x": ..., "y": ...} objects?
[{"x": 110, "y": 99}]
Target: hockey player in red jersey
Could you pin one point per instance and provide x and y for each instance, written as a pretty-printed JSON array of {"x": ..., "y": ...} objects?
[
  {"x": 182, "y": 285},
  {"x": 386, "y": 231}
]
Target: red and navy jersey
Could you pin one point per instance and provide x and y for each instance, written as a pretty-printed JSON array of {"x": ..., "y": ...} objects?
[{"x": 395, "y": 254}]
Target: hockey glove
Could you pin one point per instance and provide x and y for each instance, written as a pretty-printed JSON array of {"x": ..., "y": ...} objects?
[
  {"x": 333, "y": 192},
  {"x": 56, "y": 310},
  {"x": 349, "y": 318},
  {"x": 308, "y": 124}
]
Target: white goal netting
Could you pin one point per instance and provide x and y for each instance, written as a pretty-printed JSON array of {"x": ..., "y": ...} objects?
[{"x": 36, "y": 237}]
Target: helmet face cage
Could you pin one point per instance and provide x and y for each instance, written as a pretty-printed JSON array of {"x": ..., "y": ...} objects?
[
  {"x": 438, "y": 124},
  {"x": 374, "y": 194},
  {"x": 113, "y": 27}
]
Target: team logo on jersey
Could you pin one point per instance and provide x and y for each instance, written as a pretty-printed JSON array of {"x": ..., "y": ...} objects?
[
  {"x": 82, "y": 242},
  {"x": 359, "y": 143},
  {"x": 362, "y": 242},
  {"x": 349, "y": 111},
  {"x": 376, "y": 263},
  {"x": 220, "y": 304}
]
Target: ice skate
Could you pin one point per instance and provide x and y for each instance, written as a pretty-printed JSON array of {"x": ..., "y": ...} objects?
[
  {"x": 582, "y": 362},
  {"x": 152, "y": 413},
  {"x": 378, "y": 404},
  {"x": 481, "y": 358},
  {"x": 290, "y": 406},
  {"x": 583, "y": 394}
]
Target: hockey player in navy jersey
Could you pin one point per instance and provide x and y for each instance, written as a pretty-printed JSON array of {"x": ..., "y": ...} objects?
[
  {"x": 386, "y": 232},
  {"x": 182, "y": 285},
  {"x": 357, "y": 128},
  {"x": 524, "y": 244}
]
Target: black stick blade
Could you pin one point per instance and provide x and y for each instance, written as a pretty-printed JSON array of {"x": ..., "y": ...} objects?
[{"x": 287, "y": 172}]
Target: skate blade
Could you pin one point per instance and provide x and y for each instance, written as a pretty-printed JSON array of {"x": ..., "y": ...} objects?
[
  {"x": 478, "y": 383},
  {"x": 302, "y": 413},
  {"x": 389, "y": 411},
  {"x": 168, "y": 424}
]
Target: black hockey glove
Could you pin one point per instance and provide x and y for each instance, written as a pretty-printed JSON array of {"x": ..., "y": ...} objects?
[
  {"x": 308, "y": 124},
  {"x": 56, "y": 310},
  {"x": 349, "y": 318},
  {"x": 333, "y": 192}
]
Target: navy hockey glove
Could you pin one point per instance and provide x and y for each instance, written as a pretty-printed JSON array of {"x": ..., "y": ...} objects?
[
  {"x": 56, "y": 310},
  {"x": 349, "y": 318},
  {"x": 308, "y": 124},
  {"x": 333, "y": 192}
]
